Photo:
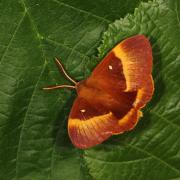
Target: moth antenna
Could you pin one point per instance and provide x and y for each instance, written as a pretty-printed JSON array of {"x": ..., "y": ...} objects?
[
  {"x": 60, "y": 66},
  {"x": 59, "y": 87}
]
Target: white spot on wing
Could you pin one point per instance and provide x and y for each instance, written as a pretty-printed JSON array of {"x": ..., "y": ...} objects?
[
  {"x": 110, "y": 67},
  {"x": 83, "y": 110}
]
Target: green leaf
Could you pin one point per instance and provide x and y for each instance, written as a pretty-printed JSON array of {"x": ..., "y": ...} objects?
[{"x": 33, "y": 124}]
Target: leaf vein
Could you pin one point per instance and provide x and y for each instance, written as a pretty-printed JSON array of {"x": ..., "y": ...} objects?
[
  {"x": 176, "y": 10},
  {"x": 119, "y": 162},
  {"x": 155, "y": 157},
  {"x": 164, "y": 119},
  {"x": 25, "y": 117},
  {"x": 33, "y": 92},
  {"x": 13, "y": 35},
  {"x": 64, "y": 46},
  {"x": 83, "y": 11}
]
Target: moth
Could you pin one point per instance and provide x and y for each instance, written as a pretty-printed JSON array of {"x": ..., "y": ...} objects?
[{"x": 109, "y": 102}]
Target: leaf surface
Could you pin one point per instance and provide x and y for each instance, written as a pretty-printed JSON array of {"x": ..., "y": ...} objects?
[{"x": 33, "y": 124}]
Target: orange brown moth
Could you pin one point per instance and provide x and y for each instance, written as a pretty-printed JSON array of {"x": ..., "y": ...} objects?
[{"x": 110, "y": 100}]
